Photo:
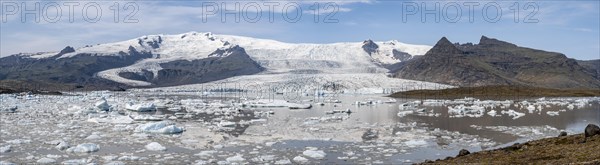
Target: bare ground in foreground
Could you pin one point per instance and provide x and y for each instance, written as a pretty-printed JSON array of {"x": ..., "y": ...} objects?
[{"x": 558, "y": 150}]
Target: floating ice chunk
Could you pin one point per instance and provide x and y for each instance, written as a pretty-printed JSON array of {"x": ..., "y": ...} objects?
[
  {"x": 415, "y": 143},
  {"x": 404, "y": 113},
  {"x": 118, "y": 119},
  {"x": 300, "y": 160},
  {"x": 84, "y": 148},
  {"x": 433, "y": 103},
  {"x": 571, "y": 106},
  {"x": 469, "y": 111},
  {"x": 299, "y": 106},
  {"x": 257, "y": 121},
  {"x": 552, "y": 113},
  {"x": 75, "y": 162},
  {"x": 102, "y": 105},
  {"x": 283, "y": 161},
  {"x": 492, "y": 113},
  {"x": 154, "y": 146},
  {"x": 129, "y": 158},
  {"x": 115, "y": 163},
  {"x": 144, "y": 107},
  {"x": 19, "y": 141},
  {"x": 206, "y": 154},
  {"x": 46, "y": 161},
  {"x": 314, "y": 153},
  {"x": 148, "y": 118},
  {"x": 531, "y": 108},
  {"x": 163, "y": 127},
  {"x": 5, "y": 149},
  {"x": 235, "y": 159},
  {"x": 513, "y": 114},
  {"x": 6, "y": 163},
  {"x": 62, "y": 145},
  {"x": 227, "y": 124},
  {"x": 93, "y": 137},
  {"x": 8, "y": 109},
  {"x": 276, "y": 103}
]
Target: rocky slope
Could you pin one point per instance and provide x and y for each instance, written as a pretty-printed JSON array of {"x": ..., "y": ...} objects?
[
  {"x": 495, "y": 62},
  {"x": 560, "y": 150}
]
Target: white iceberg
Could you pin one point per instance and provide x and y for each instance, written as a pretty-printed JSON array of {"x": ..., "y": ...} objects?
[
  {"x": 5, "y": 149},
  {"x": 265, "y": 103},
  {"x": 552, "y": 113},
  {"x": 315, "y": 154},
  {"x": 154, "y": 146},
  {"x": 102, "y": 105},
  {"x": 415, "y": 143},
  {"x": 118, "y": 119},
  {"x": 513, "y": 114},
  {"x": 163, "y": 127},
  {"x": 144, "y": 107},
  {"x": 235, "y": 159},
  {"x": 46, "y": 161},
  {"x": 9, "y": 109},
  {"x": 148, "y": 118},
  {"x": 84, "y": 148},
  {"x": 226, "y": 124},
  {"x": 404, "y": 113},
  {"x": 492, "y": 113},
  {"x": 300, "y": 160}
]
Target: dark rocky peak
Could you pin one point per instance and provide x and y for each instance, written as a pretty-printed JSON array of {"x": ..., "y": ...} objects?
[
  {"x": 369, "y": 46},
  {"x": 132, "y": 50},
  {"x": 228, "y": 51},
  {"x": 444, "y": 46},
  {"x": 153, "y": 42},
  {"x": 210, "y": 36},
  {"x": 402, "y": 56},
  {"x": 485, "y": 41},
  {"x": 66, "y": 50}
]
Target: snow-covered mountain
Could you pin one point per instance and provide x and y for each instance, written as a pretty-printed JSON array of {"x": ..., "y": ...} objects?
[{"x": 201, "y": 49}]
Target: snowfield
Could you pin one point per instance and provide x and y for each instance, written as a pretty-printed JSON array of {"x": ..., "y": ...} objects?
[{"x": 276, "y": 57}]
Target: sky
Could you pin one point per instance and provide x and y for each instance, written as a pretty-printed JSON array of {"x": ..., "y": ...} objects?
[{"x": 568, "y": 27}]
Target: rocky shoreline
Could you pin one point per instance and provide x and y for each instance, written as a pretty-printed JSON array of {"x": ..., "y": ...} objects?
[{"x": 572, "y": 149}]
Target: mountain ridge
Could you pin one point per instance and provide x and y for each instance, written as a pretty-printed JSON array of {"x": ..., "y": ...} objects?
[
  {"x": 496, "y": 62},
  {"x": 208, "y": 55}
]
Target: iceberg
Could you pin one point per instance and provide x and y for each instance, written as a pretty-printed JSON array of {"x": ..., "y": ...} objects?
[{"x": 163, "y": 127}]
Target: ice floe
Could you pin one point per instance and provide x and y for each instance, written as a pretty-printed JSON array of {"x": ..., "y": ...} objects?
[
  {"x": 300, "y": 160},
  {"x": 46, "y": 161},
  {"x": 84, "y": 148},
  {"x": 314, "y": 153},
  {"x": 154, "y": 146},
  {"x": 513, "y": 113},
  {"x": 143, "y": 107},
  {"x": 163, "y": 127},
  {"x": 5, "y": 149}
]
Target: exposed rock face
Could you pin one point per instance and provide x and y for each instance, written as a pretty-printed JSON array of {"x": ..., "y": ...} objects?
[
  {"x": 495, "y": 62},
  {"x": 370, "y": 47},
  {"x": 463, "y": 152},
  {"x": 591, "y": 130},
  {"x": 66, "y": 50},
  {"x": 562, "y": 134},
  {"x": 221, "y": 64},
  {"x": 370, "y": 135},
  {"x": 78, "y": 70},
  {"x": 593, "y": 66},
  {"x": 402, "y": 56}
]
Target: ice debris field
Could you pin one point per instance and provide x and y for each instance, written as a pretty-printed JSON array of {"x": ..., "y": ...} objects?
[{"x": 143, "y": 128}]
